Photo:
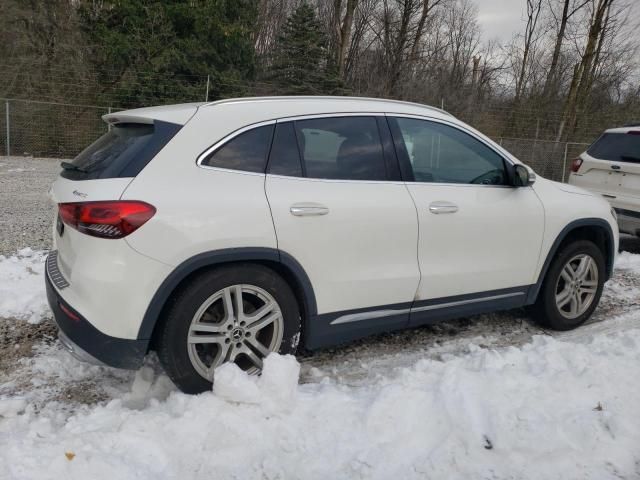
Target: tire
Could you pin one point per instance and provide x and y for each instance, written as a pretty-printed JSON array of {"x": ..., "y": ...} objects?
[
  {"x": 554, "y": 307},
  {"x": 198, "y": 334}
]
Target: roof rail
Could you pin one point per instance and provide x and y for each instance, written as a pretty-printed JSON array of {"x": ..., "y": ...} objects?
[{"x": 322, "y": 97}]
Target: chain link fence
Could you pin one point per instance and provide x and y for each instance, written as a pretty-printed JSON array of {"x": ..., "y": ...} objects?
[
  {"x": 61, "y": 130},
  {"x": 48, "y": 129},
  {"x": 550, "y": 159}
]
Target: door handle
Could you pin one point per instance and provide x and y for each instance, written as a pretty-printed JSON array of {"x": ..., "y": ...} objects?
[
  {"x": 308, "y": 209},
  {"x": 615, "y": 167},
  {"x": 442, "y": 207}
]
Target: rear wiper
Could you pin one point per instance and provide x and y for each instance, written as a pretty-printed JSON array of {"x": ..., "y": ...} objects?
[
  {"x": 630, "y": 158},
  {"x": 72, "y": 167}
]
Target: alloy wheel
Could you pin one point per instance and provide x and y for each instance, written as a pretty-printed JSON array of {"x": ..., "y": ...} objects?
[
  {"x": 241, "y": 324},
  {"x": 577, "y": 286}
]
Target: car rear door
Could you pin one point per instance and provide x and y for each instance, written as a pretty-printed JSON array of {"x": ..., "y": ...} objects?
[
  {"x": 479, "y": 238},
  {"x": 342, "y": 212}
]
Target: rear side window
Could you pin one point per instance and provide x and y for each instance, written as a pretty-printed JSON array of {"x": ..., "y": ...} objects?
[
  {"x": 617, "y": 147},
  {"x": 247, "y": 152},
  {"x": 121, "y": 152},
  {"x": 284, "y": 158},
  {"x": 344, "y": 148}
]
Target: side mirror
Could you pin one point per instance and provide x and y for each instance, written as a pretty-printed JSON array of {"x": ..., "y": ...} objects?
[{"x": 523, "y": 176}]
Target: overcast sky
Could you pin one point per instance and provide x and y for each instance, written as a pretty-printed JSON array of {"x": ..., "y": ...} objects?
[{"x": 501, "y": 19}]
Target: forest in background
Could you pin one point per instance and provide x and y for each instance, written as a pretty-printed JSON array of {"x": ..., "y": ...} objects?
[{"x": 572, "y": 72}]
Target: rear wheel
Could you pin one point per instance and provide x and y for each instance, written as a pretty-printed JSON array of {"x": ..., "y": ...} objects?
[
  {"x": 572, "y": 288},
  {"x": 234, "y": 314}
]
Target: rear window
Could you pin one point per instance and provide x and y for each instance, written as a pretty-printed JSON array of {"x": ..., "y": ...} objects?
[
  {"x": 121, "y": 152},
  {"x": 617, "y": 147}
]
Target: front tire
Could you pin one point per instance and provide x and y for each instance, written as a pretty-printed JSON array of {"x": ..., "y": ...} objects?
[
  {"x": 238, "y": 313},
  {"x": 572, "y": 287}
]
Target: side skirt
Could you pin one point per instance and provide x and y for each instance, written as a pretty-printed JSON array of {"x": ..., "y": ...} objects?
[{"x": 335, "y": 328}]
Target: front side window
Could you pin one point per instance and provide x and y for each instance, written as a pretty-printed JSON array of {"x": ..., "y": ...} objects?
[
  {"x": 247, "y": 152},
  {"x": 344, "y": 148},
  {"x": 442, "y": 154}
]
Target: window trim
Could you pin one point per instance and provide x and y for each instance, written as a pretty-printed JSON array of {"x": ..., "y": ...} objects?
[
  {"x": 224, "y": 140},
  {"x": 405, "y": 164}
]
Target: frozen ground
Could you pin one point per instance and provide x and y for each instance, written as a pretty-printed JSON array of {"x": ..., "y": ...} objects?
[
  {"x": 25, "y": 213},
  {"x": 488, "y": 397},
  {"x": 483, "y": 397}
]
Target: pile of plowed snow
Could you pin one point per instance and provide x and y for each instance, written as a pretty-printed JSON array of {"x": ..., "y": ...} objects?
[{"x": 557, "y": 407}]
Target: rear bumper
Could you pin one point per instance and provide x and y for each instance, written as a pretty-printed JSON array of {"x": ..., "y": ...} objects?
[{"x": 87, "y": 343}]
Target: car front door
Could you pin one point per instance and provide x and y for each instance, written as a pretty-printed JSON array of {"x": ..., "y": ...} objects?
[
  {"x": 342, "y": 212},
  {"x": 479, "y": 238}
]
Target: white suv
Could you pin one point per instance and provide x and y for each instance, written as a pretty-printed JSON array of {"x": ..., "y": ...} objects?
[
  {"x": 224, "y": 231},
  {"x": 611, "y": 167}
]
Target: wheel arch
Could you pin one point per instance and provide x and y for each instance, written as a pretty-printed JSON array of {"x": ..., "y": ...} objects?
[
  {"x": 281, "y": 262},
  {"x": 596, "y": 230}
]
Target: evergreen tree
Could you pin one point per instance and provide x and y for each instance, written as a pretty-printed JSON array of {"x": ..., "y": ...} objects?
[
  {"x": 161, "y": 51},
  {"x": 300, "y": 63}
]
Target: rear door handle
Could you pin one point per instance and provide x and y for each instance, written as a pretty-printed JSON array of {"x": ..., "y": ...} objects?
[
  {"x": 308, "y": 209},
  {"x": 442, "y": 207},
  {"x": 615, "y": 167}
]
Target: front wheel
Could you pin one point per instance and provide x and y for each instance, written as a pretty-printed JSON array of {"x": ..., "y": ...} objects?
[
  {"x": 237, "y": 314},
  {"x": 572, "y": 288}
]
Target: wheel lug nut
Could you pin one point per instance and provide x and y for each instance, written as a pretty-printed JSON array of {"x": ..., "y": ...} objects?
[
  {"x": 238, "y": 345},
  {"x": 248, "y": 334},
  {"x": 229, "y": 327},
  {"x": 226, "y": 340},
  {"x": 242, "y": 324}
]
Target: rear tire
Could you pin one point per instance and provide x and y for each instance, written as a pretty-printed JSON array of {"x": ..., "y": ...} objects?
[
  {"x": 572, "y": 287},
  {"x": 205, "y": 325}
]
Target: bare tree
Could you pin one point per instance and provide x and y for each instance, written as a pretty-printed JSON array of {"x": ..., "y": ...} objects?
[
  {"x": 581, "y": 81},
  {"x": 569, "y": 9},
  {"x": 534, "y": 7},
  {"x": 342, "y": 25}
]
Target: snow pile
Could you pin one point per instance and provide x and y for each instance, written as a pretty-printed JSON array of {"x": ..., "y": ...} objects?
[
  {"x": 628, "y": 261},
  {"x": 551, "y": 409},
  {"x": 22, "y": 292}
]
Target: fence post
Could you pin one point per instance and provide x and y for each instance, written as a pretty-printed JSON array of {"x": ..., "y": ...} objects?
[
  {"x": 564, "y": 160},
  {"x": 108, "y": 123},
  {"x": 6, "y": 107},
  {"x": 206, "y": 95}
]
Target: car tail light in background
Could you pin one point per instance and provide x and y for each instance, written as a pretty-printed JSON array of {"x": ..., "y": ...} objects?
[
  {"x": 576, "y": 164},
  {"x": 106, "y": 219}
]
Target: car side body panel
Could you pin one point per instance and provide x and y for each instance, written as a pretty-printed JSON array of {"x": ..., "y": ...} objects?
[{"x": 355, "y": 275}]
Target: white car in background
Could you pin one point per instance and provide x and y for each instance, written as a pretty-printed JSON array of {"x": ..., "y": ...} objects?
[
  {"x": 611, "y": 167},
  {"x": 224, "y": 231}
]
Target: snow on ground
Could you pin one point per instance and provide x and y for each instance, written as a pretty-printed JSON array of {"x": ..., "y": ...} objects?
[
  {"x": 480, "y": 404},
  {"x": 22, "y": 292}
]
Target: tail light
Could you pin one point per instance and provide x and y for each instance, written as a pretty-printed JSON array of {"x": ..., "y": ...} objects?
[
  {"x": 576, "y": 164},
  {"x": 106, "y": 219}
]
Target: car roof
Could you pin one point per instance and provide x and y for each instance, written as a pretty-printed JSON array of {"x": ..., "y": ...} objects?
[
  {"x": 625, "y": 129},
  {"x": 253, "y": 111}
]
